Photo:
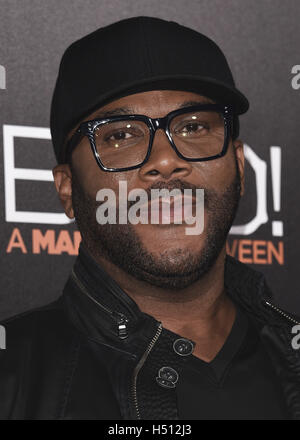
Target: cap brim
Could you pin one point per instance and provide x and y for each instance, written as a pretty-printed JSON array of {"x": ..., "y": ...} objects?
[{"x": 205, "y": 86}]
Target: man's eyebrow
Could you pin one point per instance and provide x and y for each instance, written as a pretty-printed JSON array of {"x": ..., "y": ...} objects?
[
  {"x": 130, "y": 111},
  {"x": 190, "y": 103},
  {"x": 113, "y": 112}
]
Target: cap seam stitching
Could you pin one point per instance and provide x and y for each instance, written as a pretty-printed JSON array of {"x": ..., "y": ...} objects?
[{"x": 148, "y": 57}]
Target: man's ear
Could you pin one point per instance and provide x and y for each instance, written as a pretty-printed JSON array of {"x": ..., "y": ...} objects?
[
  {"x": 239, "y": 154},
  {"x": 63, "y": 183}
]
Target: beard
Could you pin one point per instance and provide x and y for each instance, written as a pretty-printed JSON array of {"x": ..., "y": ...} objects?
[{"x": 173, "y": 269}]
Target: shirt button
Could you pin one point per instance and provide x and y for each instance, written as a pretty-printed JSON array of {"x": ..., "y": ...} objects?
[
  {"x": 167, "y": 377},
  {"x": 183, "y": 347}
]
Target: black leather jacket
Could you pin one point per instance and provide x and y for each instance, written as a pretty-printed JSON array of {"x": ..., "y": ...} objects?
[{"x": 93, "y": 354}]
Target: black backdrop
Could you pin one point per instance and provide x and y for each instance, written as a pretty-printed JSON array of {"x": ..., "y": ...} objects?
[{"x": 261, "y": 40}]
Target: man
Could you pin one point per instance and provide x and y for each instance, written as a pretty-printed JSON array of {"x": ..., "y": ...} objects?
[{"x": 154, "y": 322}]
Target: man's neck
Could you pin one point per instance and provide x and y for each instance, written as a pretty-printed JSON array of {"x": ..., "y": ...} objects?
[{"x": 201, "y": 312}]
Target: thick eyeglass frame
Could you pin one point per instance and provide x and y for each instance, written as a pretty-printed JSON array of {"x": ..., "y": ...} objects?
[{"x": 87, "y": 128}]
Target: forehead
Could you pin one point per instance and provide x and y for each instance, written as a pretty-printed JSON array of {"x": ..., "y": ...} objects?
[{"x": 153, "y": 103}]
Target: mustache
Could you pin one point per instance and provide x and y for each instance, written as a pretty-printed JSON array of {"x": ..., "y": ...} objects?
[
  {"x": 211, "y": 196},
  {"x": 175, "y": 184},
  {"x": 172, "y": 184},
  {"x": 181, "y": 185}
]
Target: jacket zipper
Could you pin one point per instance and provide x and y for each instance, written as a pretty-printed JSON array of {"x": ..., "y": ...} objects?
[
  {"x": 281, "y": 312},
  {"x": 139, "y": 366},
  {"x": 122, "y": 320},
  {"x": 118, "y": 317}
]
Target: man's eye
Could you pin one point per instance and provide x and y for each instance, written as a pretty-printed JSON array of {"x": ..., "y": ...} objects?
[
  {"x": 118, "y": 135},
  {"x": 190, "y": 129}
]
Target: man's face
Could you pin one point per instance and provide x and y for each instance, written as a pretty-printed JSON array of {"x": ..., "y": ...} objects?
[{"x": 160, "y": 254}]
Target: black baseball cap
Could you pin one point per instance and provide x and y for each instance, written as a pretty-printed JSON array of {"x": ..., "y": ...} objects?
[{"x": 134, "y": 55}]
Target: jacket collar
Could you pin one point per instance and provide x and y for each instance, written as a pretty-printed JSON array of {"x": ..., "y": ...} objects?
[{"x": 103, "y": 311}]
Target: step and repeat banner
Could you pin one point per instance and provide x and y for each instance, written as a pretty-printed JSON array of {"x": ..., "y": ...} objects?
[{"x": 261, "y": 40}]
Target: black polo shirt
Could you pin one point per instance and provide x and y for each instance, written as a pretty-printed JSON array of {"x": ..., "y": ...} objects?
[{"x": 238, "y": 384}]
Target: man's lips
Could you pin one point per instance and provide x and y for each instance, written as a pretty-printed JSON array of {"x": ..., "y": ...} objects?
[{"x": 170, "y": 210}]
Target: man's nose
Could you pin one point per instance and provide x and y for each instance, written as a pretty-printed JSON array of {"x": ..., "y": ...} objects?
[{"x": 164, "y": 161}]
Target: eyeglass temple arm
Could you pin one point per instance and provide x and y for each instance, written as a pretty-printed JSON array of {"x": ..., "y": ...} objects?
[{"x": 71, "y": 144}]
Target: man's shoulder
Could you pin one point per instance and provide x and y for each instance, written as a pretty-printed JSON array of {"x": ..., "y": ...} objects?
[
  {"x": 241, "y": 279},
  {"x": 54, "y": 307},
  {"x": 44, "y": 320},
  {"x": 249, "y": 284},
  {"x": 30, "y": 339},
  {"x": 236, "y": 268},
  {"x": 33, "y": 343}
]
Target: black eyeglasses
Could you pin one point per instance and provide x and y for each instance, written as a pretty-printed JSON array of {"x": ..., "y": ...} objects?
[{"x": 122, "y": 143}]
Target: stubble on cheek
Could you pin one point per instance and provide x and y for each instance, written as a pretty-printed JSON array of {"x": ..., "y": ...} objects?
[{"x": 166, "y": 262}]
